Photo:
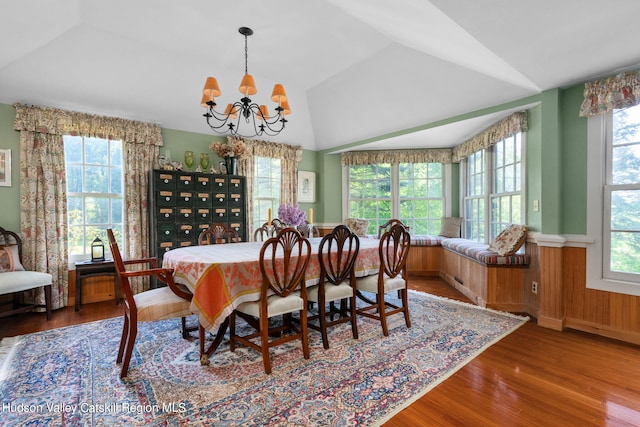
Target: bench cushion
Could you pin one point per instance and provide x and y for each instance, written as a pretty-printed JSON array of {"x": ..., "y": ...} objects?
[
  {"x": 426, "y": 240},
  {"x": 480, "y": 252}
]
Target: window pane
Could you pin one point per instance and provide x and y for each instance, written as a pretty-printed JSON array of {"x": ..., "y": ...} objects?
[
  {"x": 625, "y": 206},
  {"x": 625, "y": 252},
  {"x": 116, "y": 181},
  {"x": 97, "y": 210},
  {"x": 74, "y": 178},
  {"x": 626, "y": 164},
  {"x": 96, "y": 151},
  {"x": 74, "y": 210},
  {"x": 115, "y": 153},
  {"x": 96, "y": 179},
  {"x": 73, "y": 149}
]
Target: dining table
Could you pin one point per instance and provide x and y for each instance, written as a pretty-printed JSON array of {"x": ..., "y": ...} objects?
[{"x": 223, "y": 276}]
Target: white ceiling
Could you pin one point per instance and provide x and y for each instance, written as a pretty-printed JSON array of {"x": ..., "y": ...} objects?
[{"x": 353, "y": 69}]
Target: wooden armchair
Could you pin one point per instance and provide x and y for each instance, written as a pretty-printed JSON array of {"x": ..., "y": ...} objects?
[
  {"x": 155, "y": 304},
  {"x": 15, "y": 280}
]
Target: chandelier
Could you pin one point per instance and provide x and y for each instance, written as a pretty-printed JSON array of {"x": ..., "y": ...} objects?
[{"x": 244, "y": 117}]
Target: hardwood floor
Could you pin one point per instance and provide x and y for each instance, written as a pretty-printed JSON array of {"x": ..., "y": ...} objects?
[{"x": 533, "y": 377}]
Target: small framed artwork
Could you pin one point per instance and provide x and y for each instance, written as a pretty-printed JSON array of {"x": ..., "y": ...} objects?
[
  {"x": 306, "y": 187},
  {"x": 5, "y": 167}
]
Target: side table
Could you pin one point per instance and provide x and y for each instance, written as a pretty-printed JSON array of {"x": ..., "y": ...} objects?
[{"x": 86, "y": 269}]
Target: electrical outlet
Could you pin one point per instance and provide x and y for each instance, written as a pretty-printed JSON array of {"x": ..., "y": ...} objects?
[{"x": 534, "y": 287}]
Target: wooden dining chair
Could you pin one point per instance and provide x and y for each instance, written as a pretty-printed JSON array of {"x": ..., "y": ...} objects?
[
  {"x": 283, "y": 264},
  {"x": 392, "y": 276},
  {"x": 337, "y": 257},
  {"x": 387, "y": 226},
  {"x": 152, "y": 305},
  {"x": 264, "y": 232},
  {"x": 308, "y": 230},
  {"x": 218, "y": 233}
]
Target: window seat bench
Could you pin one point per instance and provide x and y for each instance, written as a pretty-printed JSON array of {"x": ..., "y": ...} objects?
[{"x": 485, "y": 277}]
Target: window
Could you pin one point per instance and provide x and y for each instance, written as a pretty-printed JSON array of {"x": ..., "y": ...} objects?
[
  {"x": 266, "y": 188},
  {"x": 506, "y": 197},
  {"x": 475, "y": 197},
  {"x": 411, "y": 192},
  {"x": 613, "y": 201},
  {"x": 421, "y": 196},
  {"x": 495, "y": 209},
  {"x": 95, "y": 191}
]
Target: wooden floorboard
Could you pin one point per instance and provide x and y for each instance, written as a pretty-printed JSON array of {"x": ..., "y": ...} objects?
[{"x": 533, "y": 377}]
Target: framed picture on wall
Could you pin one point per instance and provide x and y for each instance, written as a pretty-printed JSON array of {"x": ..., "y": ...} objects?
[
  {"x": 306, "y": 187},
  {"x": 5, "y": 167}
]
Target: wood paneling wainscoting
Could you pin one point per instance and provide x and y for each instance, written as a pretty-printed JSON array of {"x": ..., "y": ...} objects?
[{"x": 564, "y": 301}]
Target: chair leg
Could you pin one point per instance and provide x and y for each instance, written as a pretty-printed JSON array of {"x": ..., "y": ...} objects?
[
  {"x": 123, "y": 338},
  {"x": 264, "y": 343},
  {"x": 305, "y": 333},
  {"x": 382, "y": 313},
  {"x": 131, "y": 339},
  {"x": 322, "y": 319},
  {"x": 47, "y": 300},
  {"x": 354, "y": 322},
  {"x": 405, "y": 306}
]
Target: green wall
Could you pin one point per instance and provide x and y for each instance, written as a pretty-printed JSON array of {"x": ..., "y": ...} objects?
[
  {"x": 574, "y": 162},
  {"x": 10, "y": 196},
  {"x": 555, "y": 154}
]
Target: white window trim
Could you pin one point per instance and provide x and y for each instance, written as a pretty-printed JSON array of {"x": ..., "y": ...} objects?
[
  {"x": 395, "y": 190},
  {"x": 488, "y": 187},
  {"x": 598, "y": 127}
]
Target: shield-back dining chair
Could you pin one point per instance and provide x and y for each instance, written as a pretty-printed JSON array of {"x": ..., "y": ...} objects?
[
  {"x": 156, "y": 304},
  {"x": 283, "y": 264},
  {"x": 218, "y": 233},
  {"x": 392, "y": 277},
  {"x": 337, "y": 256}
]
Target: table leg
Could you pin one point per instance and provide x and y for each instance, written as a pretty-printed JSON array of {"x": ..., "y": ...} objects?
[
  {"x": 78, "y": 291},
  {"x": 204, "y": 354}
]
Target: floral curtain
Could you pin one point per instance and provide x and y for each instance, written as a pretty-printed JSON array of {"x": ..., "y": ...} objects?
[
  {"x": 290, "y": 157},
  {"x": 517, "y": 122},
  {"x": 141, "y": 143},
  {"x": 397, "y": 156},
  {"x": 43, "y": 207},
  {"x": 619, "y": 91}
]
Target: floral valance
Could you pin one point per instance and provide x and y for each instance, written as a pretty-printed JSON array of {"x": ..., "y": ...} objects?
[
  {"x": 269, "y": 149},
  {"x": 60, "y": 122},
  {"x": 436, "y": 155},
  {"x": 517, "y": 122},
  {"x": 619, "y": 91}
]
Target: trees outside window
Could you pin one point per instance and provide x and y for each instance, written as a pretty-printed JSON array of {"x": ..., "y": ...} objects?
[
  {"x": 95, "y": 191},
  {"x": 266, "y": 188},
  {"x": 411, "y": 192}
]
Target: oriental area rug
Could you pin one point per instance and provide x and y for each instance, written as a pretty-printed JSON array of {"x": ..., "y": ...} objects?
[{"x": 68, "y": 376}]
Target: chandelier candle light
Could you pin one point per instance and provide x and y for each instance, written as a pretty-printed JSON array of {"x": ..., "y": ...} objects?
[{"x": 244, "y": 117}]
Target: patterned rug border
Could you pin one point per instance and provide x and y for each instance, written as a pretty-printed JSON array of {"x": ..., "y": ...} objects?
[{"x": 9, "y": 346}]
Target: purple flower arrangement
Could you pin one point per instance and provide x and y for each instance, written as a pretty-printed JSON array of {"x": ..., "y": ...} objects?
[{"x": 291, "y": 214}]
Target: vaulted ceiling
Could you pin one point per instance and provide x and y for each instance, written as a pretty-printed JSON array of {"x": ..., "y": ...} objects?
[{"x": 353, "y": 69}]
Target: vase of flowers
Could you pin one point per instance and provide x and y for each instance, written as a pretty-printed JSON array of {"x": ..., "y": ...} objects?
[
  {"x": 291, "y": 215},
  {"x": 230, "y": 152}
]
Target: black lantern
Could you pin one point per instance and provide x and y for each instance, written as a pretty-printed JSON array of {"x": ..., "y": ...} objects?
[{"x": 97, "y": 250}]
